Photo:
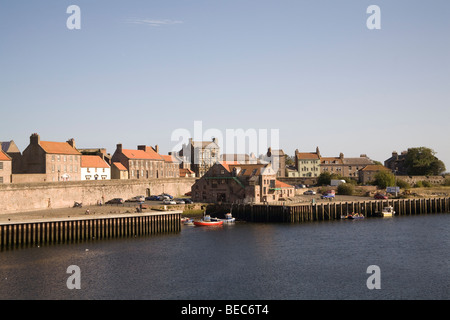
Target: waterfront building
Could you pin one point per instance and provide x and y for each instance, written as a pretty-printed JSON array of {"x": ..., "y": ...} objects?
[
  {"x": 240, "y": 183},
  {"x": 5, "y": 168},
  {"x": 93, "y": 167},
  {"x": 49, "y": 161}
]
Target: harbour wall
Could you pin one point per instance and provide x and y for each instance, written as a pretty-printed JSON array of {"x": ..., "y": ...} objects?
[
  {"x": 60, "y": 231},
  {"x": 333, "y": 210},
  {"x": 48, "y": 195}
]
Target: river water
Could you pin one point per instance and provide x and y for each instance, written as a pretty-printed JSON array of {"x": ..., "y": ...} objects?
[{"x": 245, "y": 261}]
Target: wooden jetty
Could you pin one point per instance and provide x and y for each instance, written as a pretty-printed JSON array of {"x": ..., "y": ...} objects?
[
  {"x": 333, "y": 210},
  {"x": 73, "y": 230}
]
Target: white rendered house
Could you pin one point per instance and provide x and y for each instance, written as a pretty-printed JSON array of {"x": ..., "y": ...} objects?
[{"x": 94, "y": 168}]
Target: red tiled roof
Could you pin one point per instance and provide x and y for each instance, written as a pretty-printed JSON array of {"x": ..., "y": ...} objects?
[
  {"x": 280, "y": 184},
  {"x": 141, "y": 154},
  {"x": 374, "y": 167},
  {"x": 185, "y": 171},
  {"x": 4, "y": 156},
  {"x": 93, "y": 162},
  {"x": 307, "y": 155},
  {"x": 167, "y": 158},
  {"x": 119, "y": 166},
  {"x": 58, "y": 148}
]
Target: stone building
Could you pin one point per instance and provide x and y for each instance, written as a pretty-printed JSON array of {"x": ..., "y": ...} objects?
[
  {"x": 171, "y": 167},
  {"x": 5, "y": 168},
  {"x": 240, "y": 183},
  {"x": 53, "y": 161},
  {"x": 397, "y": 163},
  {"x": 143, "y": 163},
  {"x": 201, "y": 155},
  {"x": 11, "y": 149},
  {"x": 277, "y": 158},
  {"x": 118, "y": 171},
  {"x": 93, "y": 167},
  {"x": 367, "y": 174}
]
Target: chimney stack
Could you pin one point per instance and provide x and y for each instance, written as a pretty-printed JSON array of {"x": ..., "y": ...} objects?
[
  {"x": 119, "y": 147},
  {"x": 71, "y": 142},
  {"x": 35, "y": 139}
]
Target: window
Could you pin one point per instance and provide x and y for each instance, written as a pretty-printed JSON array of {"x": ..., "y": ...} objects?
[
  {"x": 1, "y": 165},
  {"x": 1, "y": 179},
  {"x": 53, "y": 157}
]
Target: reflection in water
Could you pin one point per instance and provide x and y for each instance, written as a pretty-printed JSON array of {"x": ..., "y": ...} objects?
[{"x": 324, "y": 260}]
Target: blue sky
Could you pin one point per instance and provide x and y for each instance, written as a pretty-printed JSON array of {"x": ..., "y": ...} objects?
[{"x": 138, "y": 70}]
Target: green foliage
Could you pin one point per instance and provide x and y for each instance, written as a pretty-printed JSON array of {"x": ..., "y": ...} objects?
[
  {"x": 345, "y": 189},
  {"x": 325, "y": 178},
  {"x": 447, "y": 181},
  {"x": 423, "y": 162},
  {"x": 403, "y": 184},
  {"x": 384, "y": 179}
]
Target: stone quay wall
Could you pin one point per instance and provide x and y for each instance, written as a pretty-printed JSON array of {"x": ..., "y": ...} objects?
[{"x": 23, "y": 197}]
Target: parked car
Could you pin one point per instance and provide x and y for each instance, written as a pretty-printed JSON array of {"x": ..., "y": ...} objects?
[
  {"x": 166, "y": 195},
  {"x": 380, "y": 196},
  {"x": 188, "y": 201},
  {"x": 169, "y": 201},
  {"x": 309, "y": 192},
  {"x": 115, "y": 201},
  {"x": 137, "y": 199},
  {"x": 188, "y": 194},
  {"x": 153, "y": 198},
  {"x": 180, "y": 201},
  {"x": 328, "y": 195}
]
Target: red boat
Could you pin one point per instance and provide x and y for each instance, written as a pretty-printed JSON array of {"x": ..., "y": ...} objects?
[{"x": 208, "y": 223}]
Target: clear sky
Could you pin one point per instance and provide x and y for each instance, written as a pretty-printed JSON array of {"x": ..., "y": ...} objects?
[{"x": 138, "y": 70}]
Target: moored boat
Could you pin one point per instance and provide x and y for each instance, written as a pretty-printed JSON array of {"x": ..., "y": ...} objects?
[
  {"x": 387, "y": 212},
  {"x": 228, "y": 218},
  {"x": 207, "y": 221},
  {"x": 353, "y": 216}
]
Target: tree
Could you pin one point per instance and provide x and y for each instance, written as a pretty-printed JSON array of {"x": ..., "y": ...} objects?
[
  {"x": 345, "y": 189},
  {"x": 325, "y": 178},
  {"x": 423, "y": 162},
  {"x": 384, "y": 179}
]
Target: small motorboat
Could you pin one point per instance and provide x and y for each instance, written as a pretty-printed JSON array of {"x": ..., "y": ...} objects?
[
  {"x": 228, "y": 218},
  {"x": 386, "y": 212},
  {"x": 189, "y": 222},
  {"x": 207, "y": 221},
  {"x": 353, "y": 216}
]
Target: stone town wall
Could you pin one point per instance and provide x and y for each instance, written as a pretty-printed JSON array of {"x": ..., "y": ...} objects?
[{"x": 39, "y": 196}]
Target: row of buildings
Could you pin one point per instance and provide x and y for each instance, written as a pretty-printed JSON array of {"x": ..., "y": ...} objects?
[{"x": 49, "y": 161}]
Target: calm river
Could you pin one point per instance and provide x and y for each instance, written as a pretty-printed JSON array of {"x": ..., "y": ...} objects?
[{"x": 245, "y": 261}]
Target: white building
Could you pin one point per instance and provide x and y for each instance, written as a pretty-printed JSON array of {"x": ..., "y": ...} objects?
[{"x": 94, "y": 168}]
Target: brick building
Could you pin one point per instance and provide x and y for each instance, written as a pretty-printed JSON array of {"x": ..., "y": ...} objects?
[{"x": 54, "y": 161}]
